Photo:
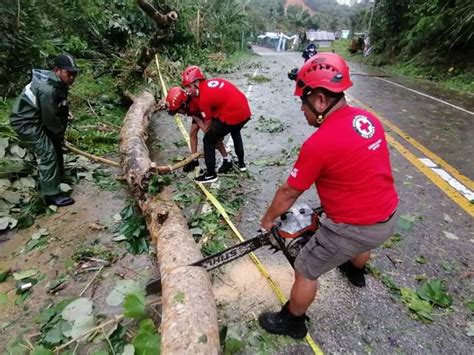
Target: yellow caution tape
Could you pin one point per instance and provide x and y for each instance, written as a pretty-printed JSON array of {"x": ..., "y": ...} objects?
[{"x": 279, "y": 293}]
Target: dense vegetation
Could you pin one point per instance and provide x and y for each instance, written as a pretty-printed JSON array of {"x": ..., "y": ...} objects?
[
  {"x": 108, "y": 33},
  {"x": 433, "y": 37}
]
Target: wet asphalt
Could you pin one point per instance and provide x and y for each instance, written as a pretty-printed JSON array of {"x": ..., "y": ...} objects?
[{"x": 368, "y": 320}]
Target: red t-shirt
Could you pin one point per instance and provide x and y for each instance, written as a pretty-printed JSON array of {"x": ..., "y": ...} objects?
[
  {"x": 193, "y": 107},
  {"x": 348, "y": 160},
  {"x": 218, "y": 98}
]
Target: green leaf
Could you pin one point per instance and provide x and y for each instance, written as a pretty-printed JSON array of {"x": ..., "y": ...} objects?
[
  {"x": 421, "y": 259},
  {"x": 196, "y": 231},
  {"x": 394, "y": 239},
  {"x": 147, "y": 341},
  {"x": 123, "y": 287},
  {"x": 6, "y": 222},
  {"x": 27, "y": 182},
  {"x": 134, "y": 305},
  {"x": 41, "y": 350},
  {"x": 421, "y": 308},
  {"x": 3, "y": 299},
  {"x": 405, "y": 222},
  {"x": 128, "y": 349},
  {"x": 54, "y": 335},
  {"x": 434, "y": 292},
  {"x": 117, "y": 338},
  {"x": 15, "y": 149},
  {"x": 4, "y": 275},
  {"x": 24, "y": 274},
  {"x": 12, "y": 197},
  {"x": 82, "y": 324},
  {"x": 101, "y": 352},
  {"x": 470, "y": 305},
  {"x": 77, "y": 308},
  {"x": 65, "y": 187},
  {"x": 448, "y": 266},
  {"x": 233, "y": 345},
  {"x": 40, "y": 233},
  {"x": 470, "y": 329},
  {"x": 35, "y": 244},
  {"x": 179, "y": 297}
]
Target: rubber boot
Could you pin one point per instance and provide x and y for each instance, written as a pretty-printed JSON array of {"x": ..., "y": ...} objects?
[
  {"x": 284, "y": 323},
  {"x": 353, "y": 273},
  {"x": 58, "y": 200}
]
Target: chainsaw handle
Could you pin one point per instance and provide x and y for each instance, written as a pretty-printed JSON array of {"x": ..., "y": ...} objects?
[{"x": 282, "y": 245}]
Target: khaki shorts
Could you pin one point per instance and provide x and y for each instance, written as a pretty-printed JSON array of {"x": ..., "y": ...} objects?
[{"x": 335, "y": 243}]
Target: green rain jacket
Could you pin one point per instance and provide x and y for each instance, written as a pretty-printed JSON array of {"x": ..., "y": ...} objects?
[{"x": 42, "y": 102}]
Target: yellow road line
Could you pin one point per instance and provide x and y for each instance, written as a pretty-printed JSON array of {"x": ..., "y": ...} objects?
[
  {"x": 428, "y": 153},
  {"x": 435, "y": 179},
  {"x": 279, "y": 293}
]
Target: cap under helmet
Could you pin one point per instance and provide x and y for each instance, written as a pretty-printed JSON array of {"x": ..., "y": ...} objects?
[
  {"x": 324, "y": 70},
  {"x": 191, "y": 74}
]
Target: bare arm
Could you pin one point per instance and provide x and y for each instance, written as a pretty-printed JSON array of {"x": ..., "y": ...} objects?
[
  {"x": 203, "y": 125},
  {"x": 284, "y": 198}
]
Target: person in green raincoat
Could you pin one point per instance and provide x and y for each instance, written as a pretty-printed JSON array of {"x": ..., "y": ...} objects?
[{"x": 39, "y": 116}]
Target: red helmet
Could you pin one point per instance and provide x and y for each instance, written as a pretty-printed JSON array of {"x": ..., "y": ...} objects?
[
  {"x": 176, "y": 98},
  {"x": 191, "y": 74},
  {"x": 324, "y": 70}
]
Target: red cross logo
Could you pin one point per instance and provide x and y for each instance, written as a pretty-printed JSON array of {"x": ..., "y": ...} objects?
[{"x": 363, "y": 126}]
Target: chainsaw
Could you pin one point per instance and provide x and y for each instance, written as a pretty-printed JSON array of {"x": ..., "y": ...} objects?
[{"x": 291, "y": 232}]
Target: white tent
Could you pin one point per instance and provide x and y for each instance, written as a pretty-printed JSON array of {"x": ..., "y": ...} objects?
[{"x": 282, "y": 38}]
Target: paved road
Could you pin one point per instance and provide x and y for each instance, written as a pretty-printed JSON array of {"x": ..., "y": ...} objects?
[{"x": 345, "y": 319}]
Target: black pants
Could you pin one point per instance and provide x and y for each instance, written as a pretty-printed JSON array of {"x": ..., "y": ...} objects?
[{"x": 216, "y": 132}]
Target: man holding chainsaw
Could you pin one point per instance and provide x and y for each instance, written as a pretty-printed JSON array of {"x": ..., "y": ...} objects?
[
  {"x": 179, "y": 101},
  {"x": 347, "y": 160}
]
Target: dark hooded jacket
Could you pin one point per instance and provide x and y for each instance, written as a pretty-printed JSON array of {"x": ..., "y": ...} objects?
[{"x": 42, "y": 102}]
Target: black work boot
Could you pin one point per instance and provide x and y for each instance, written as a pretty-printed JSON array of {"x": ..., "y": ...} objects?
[
  {"x": 353, "y": 273},
  {"x": 284, "y": 323},
  {"x": 58, "y": 200},
  {"x": 190, "y": 166}
]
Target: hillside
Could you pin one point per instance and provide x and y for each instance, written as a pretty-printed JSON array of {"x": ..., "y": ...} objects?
[{"x": 299, "y": 3}]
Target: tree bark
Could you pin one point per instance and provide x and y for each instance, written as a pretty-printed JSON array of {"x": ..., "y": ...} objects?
[
  {"x": 167, "y": 169},
  {"x": 189, "y": 320},
  {"x": 134, "y": 153}
]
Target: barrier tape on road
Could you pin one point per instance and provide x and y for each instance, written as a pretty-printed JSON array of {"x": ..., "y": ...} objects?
[{"x": 279, "y": 293}]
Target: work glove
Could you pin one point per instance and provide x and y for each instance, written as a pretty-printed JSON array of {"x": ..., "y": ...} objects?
[{"x": 293, "y": 73}]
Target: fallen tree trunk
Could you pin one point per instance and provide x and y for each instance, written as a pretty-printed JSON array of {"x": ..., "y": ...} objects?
[
  {"x": 134, "y": 153},
  {"x": 189, "y": 316}
]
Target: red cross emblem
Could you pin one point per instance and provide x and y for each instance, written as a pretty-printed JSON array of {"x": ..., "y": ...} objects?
[{"x": 363, "y": 126}]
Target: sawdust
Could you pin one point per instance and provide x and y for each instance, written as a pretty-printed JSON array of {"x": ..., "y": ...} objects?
[{"x": 241, "y": 291}]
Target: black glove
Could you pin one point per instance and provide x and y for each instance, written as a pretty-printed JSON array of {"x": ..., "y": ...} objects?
[{"x": 293, "y": 73}]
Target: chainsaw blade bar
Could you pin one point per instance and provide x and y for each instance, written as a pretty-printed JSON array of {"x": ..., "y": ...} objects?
[{"x": 214, "y": 261}]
